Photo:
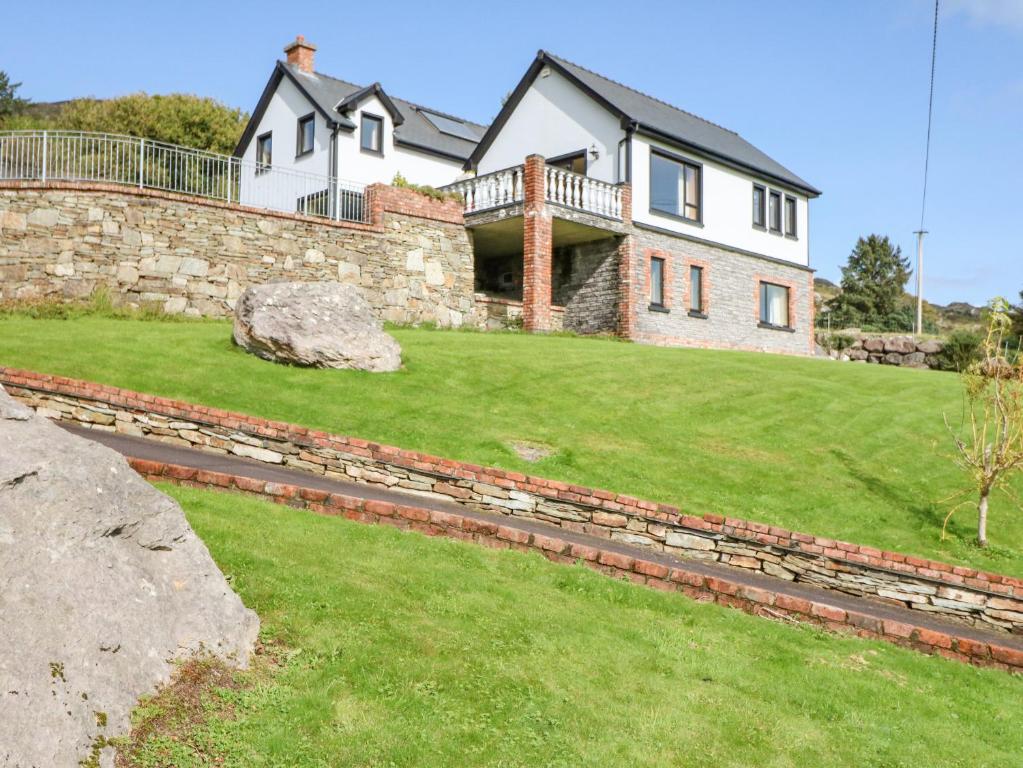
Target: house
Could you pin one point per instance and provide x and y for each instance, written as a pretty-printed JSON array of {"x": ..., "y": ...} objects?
[
  {"x": 632, "y": 216},
  {"x": 308, "y": 128}
]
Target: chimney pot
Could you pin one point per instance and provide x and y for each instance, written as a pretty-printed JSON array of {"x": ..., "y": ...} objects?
[{"x": 300, "y": 53}]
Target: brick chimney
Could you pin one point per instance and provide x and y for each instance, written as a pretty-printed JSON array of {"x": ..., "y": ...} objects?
[{"x": 300, "y": 53}]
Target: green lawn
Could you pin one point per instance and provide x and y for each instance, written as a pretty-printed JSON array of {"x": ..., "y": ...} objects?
[
  {"x": 850, "y": 451},
  {"x": 417, "y": 652}
]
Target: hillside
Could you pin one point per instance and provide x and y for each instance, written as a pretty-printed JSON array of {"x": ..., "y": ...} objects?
[{"x": 858, "y": 453}]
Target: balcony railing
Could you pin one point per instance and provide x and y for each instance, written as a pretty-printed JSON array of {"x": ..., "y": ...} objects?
[
  {"x": 574, "y": 190},
  {"x": 145, "y": 164},
  {"x": 491, "y": 190},
  {"x": 561, "y": 187}
]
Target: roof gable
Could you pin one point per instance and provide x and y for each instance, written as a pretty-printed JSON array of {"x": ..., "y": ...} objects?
[
  {"x": 647, "y": 115},
  {"x": 328, "y": 95}
]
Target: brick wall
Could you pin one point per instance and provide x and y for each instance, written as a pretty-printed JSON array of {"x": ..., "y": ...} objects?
[
  {"x": 639, "y": 569},
  {"x": 413, "y": 260},
  {"x": 963, "y": 594},
  {"x": 537, "y": 239}
]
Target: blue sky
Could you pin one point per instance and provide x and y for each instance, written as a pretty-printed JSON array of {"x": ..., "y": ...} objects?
[{"x": 836, "y": 91}]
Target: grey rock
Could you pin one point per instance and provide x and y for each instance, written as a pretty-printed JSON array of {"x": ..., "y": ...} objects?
[
  {"x": 901, "y": 344},
  {"x": 873, "y": 345},
  {"x": 930, "y": 347},
  {"x": 893, "y": 358},
  {"x": 104, "y": 584},
  {"x": 321, "y": 325},
  {"x": 857, "y": 354},
  {"x": 915, "y": 359}
]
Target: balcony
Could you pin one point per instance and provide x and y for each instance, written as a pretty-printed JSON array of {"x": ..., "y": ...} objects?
[{"x": 565, "y": 189}]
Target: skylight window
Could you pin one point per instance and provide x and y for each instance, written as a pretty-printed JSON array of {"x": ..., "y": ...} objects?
[{"x": 450, "y": 126}]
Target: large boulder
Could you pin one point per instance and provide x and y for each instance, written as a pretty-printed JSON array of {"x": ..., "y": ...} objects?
[
  {"x": 322, "y": 325},
  {"x": 102, "y": 585}
]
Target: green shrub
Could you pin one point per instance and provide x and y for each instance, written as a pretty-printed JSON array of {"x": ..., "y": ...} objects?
[
  {"x": 961, "y": 348},
  {"x": 424, "y": 189}
]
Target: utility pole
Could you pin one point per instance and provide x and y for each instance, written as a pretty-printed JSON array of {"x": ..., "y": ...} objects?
[{"x": 920, "y": 280}]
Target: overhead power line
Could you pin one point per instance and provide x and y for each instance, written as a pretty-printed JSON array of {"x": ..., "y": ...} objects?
[{"x": 927, "y": 166}]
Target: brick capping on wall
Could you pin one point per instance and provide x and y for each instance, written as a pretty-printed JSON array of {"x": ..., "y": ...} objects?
[
  {"x": 492, "y": 534},
  {"x": 974, "y": 597},
  {"x": 380, "y": 198}
]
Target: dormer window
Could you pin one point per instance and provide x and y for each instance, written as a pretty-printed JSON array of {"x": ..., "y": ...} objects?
[{"x": 371, "y": 134}]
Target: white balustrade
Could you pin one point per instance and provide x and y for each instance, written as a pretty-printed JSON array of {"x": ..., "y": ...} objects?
[
  {"x": 492, "y": 190},
  {"x": 573, "y": 190}
]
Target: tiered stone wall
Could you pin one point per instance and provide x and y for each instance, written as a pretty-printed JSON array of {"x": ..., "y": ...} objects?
[
  {"x": 646, "y": 570},
  {"x": 413, "y": 261},
  {"x": 963, "y": 594}
]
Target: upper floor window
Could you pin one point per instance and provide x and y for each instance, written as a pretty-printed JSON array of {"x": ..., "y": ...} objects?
[
  {"x": 574, "y": 162},
  {"x": 759, "y": 207},
  {"x": 675, "y": 186},
  {"x": 656, "y": 282},
  {"x": 372, "y": 133},
  {"x": 306, "y": 133},
  {"x": 774, "y": 305},
  {"x": 264, "y": 152},
  {"x": 774, "y": 211},
  {"x": 790, "y": 216}
]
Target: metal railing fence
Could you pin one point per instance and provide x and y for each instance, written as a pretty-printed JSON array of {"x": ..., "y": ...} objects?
[{"x": 78, "y": 156}]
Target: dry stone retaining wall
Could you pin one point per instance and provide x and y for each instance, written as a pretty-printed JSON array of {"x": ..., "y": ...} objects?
[
  {"x": 903, "y": 351},
  {"x": 413, "y": 261},
  {"x": 964, "y": 594}
]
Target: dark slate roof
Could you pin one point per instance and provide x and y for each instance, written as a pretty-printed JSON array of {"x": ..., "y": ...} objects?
[
  {"x": 414, "y": 130},
  {"x": 662, "y": 119}
]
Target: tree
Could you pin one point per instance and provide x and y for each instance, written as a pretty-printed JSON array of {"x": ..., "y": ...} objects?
[
  {"x": 10, "y": 104},
  {"x": 989, "y": 442},
  {"x": 1017, "y": 321},
  {"x": 177, "y": 118},
  {"x": 873, "y": 280}
]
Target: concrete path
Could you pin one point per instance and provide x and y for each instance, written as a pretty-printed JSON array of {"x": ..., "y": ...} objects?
[{"x": 142, "y": 448}]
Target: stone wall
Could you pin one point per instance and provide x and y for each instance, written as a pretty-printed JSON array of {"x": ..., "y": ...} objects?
[
  {"x": 646, "y": 568},
  {"x": 413, "y": 260},
  {"x": 963, "y": 594},
  {"x": 585, "y": 283},
  {"x": 904, "y": 351},
  {"x": 730, "y": 316}
]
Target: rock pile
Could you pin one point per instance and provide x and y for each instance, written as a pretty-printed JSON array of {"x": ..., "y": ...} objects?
[
  {"x": 104, "y": 584},
  {"x": 891, "y": 350},
  {"x": 320, "y": 325}
]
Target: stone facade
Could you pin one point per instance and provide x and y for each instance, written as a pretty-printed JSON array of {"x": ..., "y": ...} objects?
[
  {"x": 585, "y": 283},
  {"x": 730, "y": 311},
  {"x": 413, "y": 261},
  {"x": 971, "y": 597}
]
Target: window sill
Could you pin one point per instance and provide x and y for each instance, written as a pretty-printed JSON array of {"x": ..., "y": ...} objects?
[
  {"x": 676, "y": 217},
  {"x": 698, "y": 315},
  {"x": 377, "y": 152},
  {"x": 760, "y": 227},
  {"x": 775, "y": 232},
  {"x": 791, "y": 237},
  {"x": 264, "y": 169},
  {"x": 300, "y": 155},
  {"x": 659, "y": 308},
  {"x": 773, "y": 327}
]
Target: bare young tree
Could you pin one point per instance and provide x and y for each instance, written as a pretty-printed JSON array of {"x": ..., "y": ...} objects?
[{"x": 989, "y": 441}]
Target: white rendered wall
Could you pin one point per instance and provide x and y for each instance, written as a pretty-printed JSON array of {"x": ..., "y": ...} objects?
[
  {"x": 281, "y": 190},
  {"x": 555, "y": 118},
  {"x": 727, "y": 207},
  {"x": 355, "y": 164}
]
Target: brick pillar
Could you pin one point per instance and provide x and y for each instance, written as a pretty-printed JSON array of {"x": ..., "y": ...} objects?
[
  {"x": 537, "y": 240},
  {"x": 627, "y": 276}
]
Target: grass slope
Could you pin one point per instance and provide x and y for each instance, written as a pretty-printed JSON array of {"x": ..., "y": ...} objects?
[
  {"x": 408, "y": 651},
  {"x": 850, "y": 451}
]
